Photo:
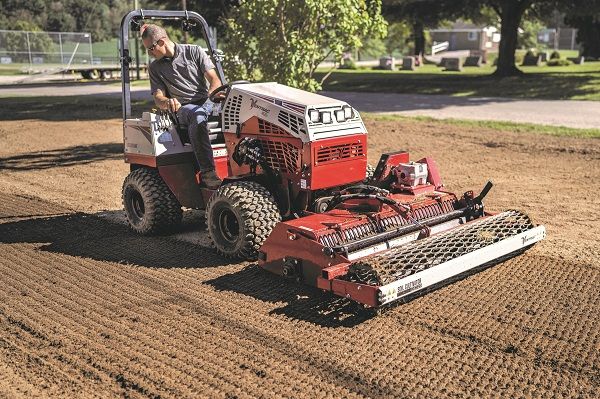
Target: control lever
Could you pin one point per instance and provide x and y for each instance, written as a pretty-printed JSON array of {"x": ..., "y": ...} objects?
[
  {"x": 474, "y": 205},
  {"x": 486, "y": 189}
]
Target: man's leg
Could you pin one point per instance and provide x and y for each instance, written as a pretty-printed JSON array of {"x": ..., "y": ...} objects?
[{"x": 196, "y": 117}]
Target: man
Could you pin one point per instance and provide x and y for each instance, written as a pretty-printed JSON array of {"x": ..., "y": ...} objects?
[{"x": 178, "y": 77}]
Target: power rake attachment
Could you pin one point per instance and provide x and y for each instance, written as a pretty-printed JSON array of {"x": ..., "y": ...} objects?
[{"x": 377, "y": 247}]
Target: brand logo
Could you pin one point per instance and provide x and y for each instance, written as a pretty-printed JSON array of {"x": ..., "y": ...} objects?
[
  {"x": 526, "y": 239},
  {"x": 409, "y": 287},
  {"x": 254, "y": 104}
]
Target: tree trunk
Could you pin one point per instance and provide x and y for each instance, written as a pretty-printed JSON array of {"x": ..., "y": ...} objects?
[
  {"x": 511, "y": 13},
  {"x": 419, "y": 36}
]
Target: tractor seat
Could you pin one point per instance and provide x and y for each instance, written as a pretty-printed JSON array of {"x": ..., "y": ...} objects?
[{"x": 214, "y": 132}]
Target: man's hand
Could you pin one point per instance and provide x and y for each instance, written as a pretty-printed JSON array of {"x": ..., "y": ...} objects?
[
  {"x": 220, "y": 96},
  {"x": 172, "y": 104},
  {"x": 163, "y": 102}
]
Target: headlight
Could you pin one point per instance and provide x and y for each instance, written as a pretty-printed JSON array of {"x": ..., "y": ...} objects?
[
  {"x": 339, "y": 115},
  {"x": 326, "y": 117},
  {"x": 347, "y": 112},
  {"x": 313, "y": 115}
]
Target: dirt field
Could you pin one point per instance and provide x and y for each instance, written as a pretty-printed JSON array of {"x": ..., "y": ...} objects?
[{"x": 88, "y": 309}]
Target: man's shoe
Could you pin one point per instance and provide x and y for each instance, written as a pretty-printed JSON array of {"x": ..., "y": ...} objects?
[{"x": 209, "y": 179}]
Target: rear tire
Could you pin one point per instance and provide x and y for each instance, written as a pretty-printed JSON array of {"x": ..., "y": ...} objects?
[
  {"x": 240, "y": 217},
  {"x": 150, "y": 206}
]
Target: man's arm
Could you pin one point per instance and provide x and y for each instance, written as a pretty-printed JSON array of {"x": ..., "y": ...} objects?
[
  {"x": 163, "y": 102},
  {"x": 214, "y": 82}
]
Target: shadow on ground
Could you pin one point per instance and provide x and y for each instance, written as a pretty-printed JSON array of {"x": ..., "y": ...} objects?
[
  {"x": 77, "y": 155},
  {"x": 302, "y": 302},
  {"x": 106, "y": 237},
  {"x": 88, "y": 236},
  {"x": 68, "y": 108}
]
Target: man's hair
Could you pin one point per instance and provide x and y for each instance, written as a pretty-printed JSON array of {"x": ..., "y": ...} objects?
[{"x": 154, "y": 32}]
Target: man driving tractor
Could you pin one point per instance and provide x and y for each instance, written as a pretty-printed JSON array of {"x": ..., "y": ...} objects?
[{"x": 178, "y": 82}]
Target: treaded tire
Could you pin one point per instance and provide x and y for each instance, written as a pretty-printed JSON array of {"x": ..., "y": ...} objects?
[
  {"x": 150, "y": 205},
  {"x": 240, "y": 216}
]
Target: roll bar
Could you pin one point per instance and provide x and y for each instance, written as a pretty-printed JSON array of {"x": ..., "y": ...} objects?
[{"x": 138, "y": 16}]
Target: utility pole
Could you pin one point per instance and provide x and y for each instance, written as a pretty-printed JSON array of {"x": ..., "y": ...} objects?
[
  {"x": 185, "y": 33},
  {"x": 137, "y": 46}
]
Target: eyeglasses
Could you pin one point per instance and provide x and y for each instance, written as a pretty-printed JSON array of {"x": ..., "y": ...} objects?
[{"x": 151, "y": 48}]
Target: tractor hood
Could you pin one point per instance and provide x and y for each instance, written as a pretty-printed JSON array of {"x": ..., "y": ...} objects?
[
  {"x": 299, "y": 113},
  {"x": 275, "y": 92}
]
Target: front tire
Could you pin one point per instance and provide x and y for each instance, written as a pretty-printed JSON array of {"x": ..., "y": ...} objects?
[
  {"x": 150, "y": 206},
  {"x": 240, "y": 217}
]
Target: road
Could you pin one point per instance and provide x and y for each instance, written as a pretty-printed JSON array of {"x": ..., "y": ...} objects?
[{"x": 570, "y": 113}]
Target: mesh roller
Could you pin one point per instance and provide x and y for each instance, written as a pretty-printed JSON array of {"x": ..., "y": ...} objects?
[{"x": 419, "y": 255}]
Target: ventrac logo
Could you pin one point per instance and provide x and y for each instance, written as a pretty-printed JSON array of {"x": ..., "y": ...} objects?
[
  {"x": 526, "y": 239},
  {"x": 254, "y": 104}
]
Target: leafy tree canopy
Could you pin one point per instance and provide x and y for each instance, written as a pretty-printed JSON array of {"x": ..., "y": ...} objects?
[
  {"x": 285, "y": 40},
  {"x": 99, "y": 17}
]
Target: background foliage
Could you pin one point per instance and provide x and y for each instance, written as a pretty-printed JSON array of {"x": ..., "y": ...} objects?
[{"x": 285, "y": 40}]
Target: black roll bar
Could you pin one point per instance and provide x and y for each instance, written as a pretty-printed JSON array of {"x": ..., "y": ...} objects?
[{"x": 125, "y": 58}]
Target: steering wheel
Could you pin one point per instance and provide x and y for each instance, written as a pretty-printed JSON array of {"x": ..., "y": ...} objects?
[{"x": 226, "y": 87}]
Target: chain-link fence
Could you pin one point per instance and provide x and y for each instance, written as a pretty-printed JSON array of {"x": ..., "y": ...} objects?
[{"x": 39, "y": 50}]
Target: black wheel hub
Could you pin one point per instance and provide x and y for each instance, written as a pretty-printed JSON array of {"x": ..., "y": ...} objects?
[
  {"x": 228, "y": 225},
  {"x": 136, "y": 205}
]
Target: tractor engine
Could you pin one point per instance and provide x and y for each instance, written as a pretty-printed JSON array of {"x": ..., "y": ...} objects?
[{"x": 308, "y": 141}]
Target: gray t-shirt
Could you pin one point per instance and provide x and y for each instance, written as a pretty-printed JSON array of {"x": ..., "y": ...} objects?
[{"x": 182, "y": 77}]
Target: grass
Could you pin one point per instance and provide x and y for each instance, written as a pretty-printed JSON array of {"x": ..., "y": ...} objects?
[
  {"x": 106, "y": 50},
  {"x": 493, "y": 125},
  {"x": 137, "y": 83},
  {"x": 573, "y": 82},
  {"x": 12, "y": 69}
]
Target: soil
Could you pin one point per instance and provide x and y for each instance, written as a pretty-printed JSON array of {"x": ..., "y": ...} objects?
[{"x": 89, "y": 309}]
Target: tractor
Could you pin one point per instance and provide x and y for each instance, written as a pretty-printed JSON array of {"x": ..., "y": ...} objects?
[{"x": 298, "y": 195}]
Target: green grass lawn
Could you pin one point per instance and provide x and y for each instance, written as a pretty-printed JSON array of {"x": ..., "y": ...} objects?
[
  {"x": 575, "y": 82},
  {"x": 12, "y": 69},
  {"x": 494, "y": 125},
  {"x": 106, "y": 49}
]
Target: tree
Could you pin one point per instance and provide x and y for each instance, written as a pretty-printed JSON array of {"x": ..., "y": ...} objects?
[
  {"x": 59, "y": 19},
  {"x": 588, "y": 34},
  {"x": 398, "y": 38},
  {"x": 16, "y": 42},
  {"x": 587, "y": 21},
  {"x": 511, "y": 12},
  {"x": 285, "y": 40},
  {"x": 214, "y": 11},
  {"x": 528, "y": 38},
  {"x": 422, "y": 14}
]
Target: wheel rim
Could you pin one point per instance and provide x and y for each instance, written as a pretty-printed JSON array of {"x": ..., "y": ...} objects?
[
  {"x": 136, "y": 205},
  {"x": 228, "y": 225}
]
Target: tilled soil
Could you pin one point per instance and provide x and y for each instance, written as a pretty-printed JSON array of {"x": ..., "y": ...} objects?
[{"x": 89, "y": 309}]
